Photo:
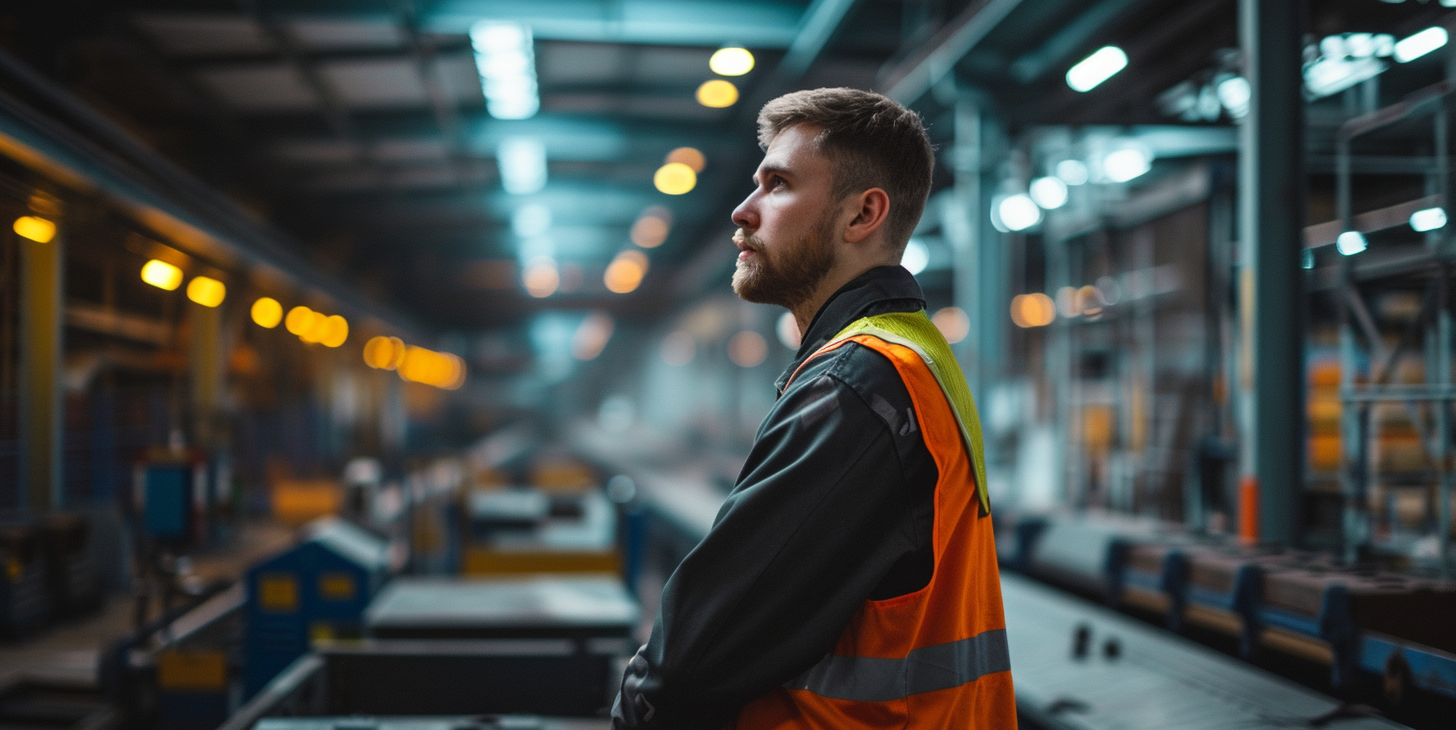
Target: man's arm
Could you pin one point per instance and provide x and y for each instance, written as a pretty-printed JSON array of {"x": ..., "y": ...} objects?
[{"x": 822, "y": 511}]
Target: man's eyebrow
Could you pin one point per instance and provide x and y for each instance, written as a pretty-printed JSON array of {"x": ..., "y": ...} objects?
[{"x": 771, "y": 170}]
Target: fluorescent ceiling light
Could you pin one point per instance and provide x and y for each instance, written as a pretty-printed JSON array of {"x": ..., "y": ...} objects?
[
  {"x": 1332, "y": 75},
  {"x": 1072, "y": 172},
  {"x": 506, "y": 59},
  {"x": 916, "y": 256},
  {"x": 522, "y": 162},
  {"x": 1049, "y": 192},
  {"x": 1015, "y": 212},
  {"x": 1350, "y": 243},
  {"x": 1428, "y": 220},
  {"x": 1122, "y": 165},
  {"x": 1415, "y": 46},
  {"x": 1096, "y": 68},
  {"x": 1234, "y": 94}
]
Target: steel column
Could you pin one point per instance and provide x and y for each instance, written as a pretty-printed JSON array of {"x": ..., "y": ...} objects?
[
  {"x": 40, "y": 373},
  {"x": 1272, "y": 199}
]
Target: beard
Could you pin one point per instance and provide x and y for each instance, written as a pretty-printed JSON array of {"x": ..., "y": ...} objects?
[{"x": 792, "y": 275}]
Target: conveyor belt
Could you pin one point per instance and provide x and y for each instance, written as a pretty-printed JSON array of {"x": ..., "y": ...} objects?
[{"x": 1157, "y": 681}]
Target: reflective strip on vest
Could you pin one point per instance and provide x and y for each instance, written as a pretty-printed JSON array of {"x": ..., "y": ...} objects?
[
  {"x": 915, "y": 331},
  {"x": 927, "y": 669}
]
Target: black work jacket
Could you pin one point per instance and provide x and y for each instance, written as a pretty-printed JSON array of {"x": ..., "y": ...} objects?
[{"x": 834, "y": 506}]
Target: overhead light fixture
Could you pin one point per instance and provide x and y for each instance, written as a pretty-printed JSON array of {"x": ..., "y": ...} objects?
[
  {"x": 1032, "y": 310},
  {"x": 207, "y": 291},
  {"x": 1412, "y": 47},
  {"x": 267, "y": 312},
  {"x": 1126, "y": 163},
  {"x": 334, "y": 331},
  {"x": 298, "y": 320},
  {"x": 522, "y": 162},
  {"x": 1349, "y": 243},
  {"x": 1091, "y": 71},
  {"x": 1428, "y": 219},
  {"x": 675, "y": 178},
  {"x": 439, "y": 369},
  {"x": 1072, "y": 172},
  {"x": 651, "y": 229},
  {"x": 506, "y": 59},
  {"x": 162, "y": 275},
  {"x": 540, "y": 277},
  {"x": 1331, "y": 75},
  {"x": 747, "y": 349},
  {"x": 314, "y": 328},
  {"x": 531, "y": 220},
  {"x": 1234, "y": 93},
  {"x": 1013, "y": 213},
  {"x": 1049, "y": 192},
  {"x": 731, "y": 61},
  {"x": 384, "y": 353},
  {"x": 717, "y": 94},
  {"x": 35, "y": 228},
  {"x": 689, "y": 156},
  {"x": 916, "y": 256},
  {"x": 953, "y": 322},
  {"x": 625, "y": 273}
]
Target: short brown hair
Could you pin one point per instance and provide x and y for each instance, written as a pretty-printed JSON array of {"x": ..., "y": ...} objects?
[{"x": 872, "y": 141}]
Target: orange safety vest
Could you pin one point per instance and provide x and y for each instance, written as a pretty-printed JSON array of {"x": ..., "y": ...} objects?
[{"x": 935, "y": 658}]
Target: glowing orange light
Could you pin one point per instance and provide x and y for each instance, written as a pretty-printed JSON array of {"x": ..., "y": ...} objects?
[
  {"x": 625, "y": 272},
  {"x": 267, "y": 312}
]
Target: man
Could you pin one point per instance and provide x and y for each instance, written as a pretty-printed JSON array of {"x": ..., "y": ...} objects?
[{"x": 849, "y": 580}]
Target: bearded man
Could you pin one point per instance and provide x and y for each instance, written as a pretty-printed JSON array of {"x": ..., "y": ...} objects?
[{"x": 849, "y": 580}]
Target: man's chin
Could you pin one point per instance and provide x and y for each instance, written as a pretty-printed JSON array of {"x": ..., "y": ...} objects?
[{"x": 748, "y": 284}]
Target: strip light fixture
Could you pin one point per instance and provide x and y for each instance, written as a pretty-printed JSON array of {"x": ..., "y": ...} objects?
[{"x": 505, "y": 56}]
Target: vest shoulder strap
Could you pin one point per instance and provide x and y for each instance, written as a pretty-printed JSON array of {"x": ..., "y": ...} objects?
[{"x": 915, "y": 331}]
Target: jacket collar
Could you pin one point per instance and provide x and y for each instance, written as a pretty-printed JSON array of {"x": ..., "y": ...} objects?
[{"x": 879, "y": 290}]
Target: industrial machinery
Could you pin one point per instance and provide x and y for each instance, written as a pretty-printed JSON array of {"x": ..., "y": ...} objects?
[
  {"x": 530, "y": 530},
  {"x": 318, "y": 589},
  {"x": 1300, "y": 605},
  {"x": 179, "y": 671}
]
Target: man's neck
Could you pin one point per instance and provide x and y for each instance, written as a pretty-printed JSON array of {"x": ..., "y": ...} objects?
[{"x": 805, "y": 311}]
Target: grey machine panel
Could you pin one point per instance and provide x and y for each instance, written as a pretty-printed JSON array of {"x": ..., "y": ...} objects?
[
  {"x": 532, "y": 606},
  {"x": 1157, "y": 680}
]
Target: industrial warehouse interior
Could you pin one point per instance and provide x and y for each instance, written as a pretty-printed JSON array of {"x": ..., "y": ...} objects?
[{"x": 374, "y": 363}]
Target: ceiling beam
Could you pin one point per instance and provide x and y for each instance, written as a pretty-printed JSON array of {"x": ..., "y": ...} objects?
[
  {"x": 1073, "y": 37},
  {"x": 759, "y": 24},
  {"x": 908, "y": 80},
  {"x": 443, "y": 104},
  {"x": 820, "y": 22}
]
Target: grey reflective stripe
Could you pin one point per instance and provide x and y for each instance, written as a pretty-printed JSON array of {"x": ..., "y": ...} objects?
[{"x": 931, "y": 668}]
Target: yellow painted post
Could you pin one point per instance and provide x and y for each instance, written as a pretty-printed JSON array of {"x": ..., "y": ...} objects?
[{"x": 40, "y": 372}]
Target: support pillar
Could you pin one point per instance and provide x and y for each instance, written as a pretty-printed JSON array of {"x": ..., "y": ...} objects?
[
  {"x": 1271, "y": 297},
  {"x": 205, "y": 364},
  {"x": 40, "y": 374},
  {"x": 979, "y": 270}
]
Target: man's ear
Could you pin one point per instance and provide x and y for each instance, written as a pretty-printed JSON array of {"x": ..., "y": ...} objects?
[{"x": 870, "y": 208}]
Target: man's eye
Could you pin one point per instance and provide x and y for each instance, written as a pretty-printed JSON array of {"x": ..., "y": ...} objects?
[{"x": 776, "y": 182}]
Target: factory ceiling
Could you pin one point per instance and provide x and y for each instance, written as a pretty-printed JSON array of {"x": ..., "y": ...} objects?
[{"x": 360, "y": 127}]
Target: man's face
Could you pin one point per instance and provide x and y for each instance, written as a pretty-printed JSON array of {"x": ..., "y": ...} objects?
[{"x": 786, "y": 225}]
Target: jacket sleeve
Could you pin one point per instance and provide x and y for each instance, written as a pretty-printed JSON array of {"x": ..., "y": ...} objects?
[{"x": 817, "y": 519}]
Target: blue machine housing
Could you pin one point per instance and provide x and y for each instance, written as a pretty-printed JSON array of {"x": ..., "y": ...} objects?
[{"x": 316, "y": 589}]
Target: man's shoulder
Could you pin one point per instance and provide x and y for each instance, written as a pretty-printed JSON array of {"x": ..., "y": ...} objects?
[{"x": 869, "y": 375}]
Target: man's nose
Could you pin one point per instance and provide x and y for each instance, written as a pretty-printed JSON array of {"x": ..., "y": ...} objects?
[{"x": 746, "y": 214}]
